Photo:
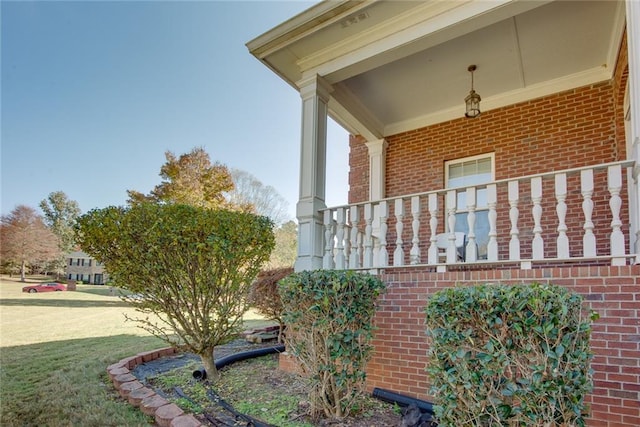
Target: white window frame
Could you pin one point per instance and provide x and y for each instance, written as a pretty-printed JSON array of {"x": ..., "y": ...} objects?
[
  {"x": 449, "y": 163},
  {"x": 480, "y": 206}
]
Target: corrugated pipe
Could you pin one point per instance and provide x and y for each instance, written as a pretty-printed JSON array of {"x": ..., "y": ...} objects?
[
  {"x": 201, "y": 374},
  {"x": 402, "y": 400}
]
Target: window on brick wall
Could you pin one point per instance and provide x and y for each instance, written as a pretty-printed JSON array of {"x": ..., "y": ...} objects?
[{"x": 469, "y": 172}]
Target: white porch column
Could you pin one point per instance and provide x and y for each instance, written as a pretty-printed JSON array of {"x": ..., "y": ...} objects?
[
  {"x": 633, "y": 140},
  {"x": 377, "y": 167},
  {"x": 377, "y": 159},
  {"x": 313, "y": 149}
]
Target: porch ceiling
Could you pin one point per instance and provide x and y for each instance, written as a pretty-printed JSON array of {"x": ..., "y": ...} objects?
[{"x": 399, "y": 65}]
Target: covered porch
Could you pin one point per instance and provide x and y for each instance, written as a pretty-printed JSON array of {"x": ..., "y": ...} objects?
[{"x": 387, "y": 68}]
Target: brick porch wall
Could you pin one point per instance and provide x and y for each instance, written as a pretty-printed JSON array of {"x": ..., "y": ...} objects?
[{"x": 400, "y": 357}]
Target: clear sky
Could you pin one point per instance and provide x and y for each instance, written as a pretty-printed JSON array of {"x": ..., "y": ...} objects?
[{"x": 94, "y": 93}]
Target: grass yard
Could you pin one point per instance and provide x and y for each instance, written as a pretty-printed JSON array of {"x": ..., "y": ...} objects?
[{"x": 54, "y": 348}]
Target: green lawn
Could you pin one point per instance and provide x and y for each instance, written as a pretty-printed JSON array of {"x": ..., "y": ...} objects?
[{"x": 54, "y": 348}]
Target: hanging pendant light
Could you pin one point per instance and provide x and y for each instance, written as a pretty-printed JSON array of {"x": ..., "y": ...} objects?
[{"x": 473, "y": 99}]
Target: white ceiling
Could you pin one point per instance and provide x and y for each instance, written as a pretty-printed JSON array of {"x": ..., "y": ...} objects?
[{"x": 399, "y": 65}]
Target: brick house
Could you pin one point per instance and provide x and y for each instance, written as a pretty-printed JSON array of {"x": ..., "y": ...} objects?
[
  {"x": 81, "y": 267},
  {"x": 542, "y": 186}
]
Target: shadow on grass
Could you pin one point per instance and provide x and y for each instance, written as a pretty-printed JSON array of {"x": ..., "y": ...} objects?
[
  {"x": 39, "y": 381},
  {"x": 43, "y": 302},
  {"x": 105, "y": 291}
]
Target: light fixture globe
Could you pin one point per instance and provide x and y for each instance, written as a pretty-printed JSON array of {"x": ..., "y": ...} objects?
[{"x": 472, "y": 100}]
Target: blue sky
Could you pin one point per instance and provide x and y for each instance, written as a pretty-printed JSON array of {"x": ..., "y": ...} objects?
[{"x": 94, "y": 93}]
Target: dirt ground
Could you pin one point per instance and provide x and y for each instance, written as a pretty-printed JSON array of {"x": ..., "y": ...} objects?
[{"x": 261, "y": 381}]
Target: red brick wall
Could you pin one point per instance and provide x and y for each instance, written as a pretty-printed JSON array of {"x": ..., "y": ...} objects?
[
  {"x": 561, "y": 131},
  {"x": 358, "y": 170},
  {"x": 400, "y": 355}
]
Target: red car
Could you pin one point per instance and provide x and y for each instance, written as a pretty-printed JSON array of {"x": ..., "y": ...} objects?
[{"x": 44, "y": 287}]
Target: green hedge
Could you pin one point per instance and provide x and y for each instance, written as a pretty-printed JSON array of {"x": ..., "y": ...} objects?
[
  {"x": 509, "y": 355},
  {"x": 329, "y": 329}
]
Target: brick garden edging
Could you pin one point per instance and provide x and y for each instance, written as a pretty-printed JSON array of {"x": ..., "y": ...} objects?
[{"x": 166, "y": 414}]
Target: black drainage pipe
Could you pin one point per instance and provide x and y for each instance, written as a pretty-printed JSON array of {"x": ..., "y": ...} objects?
[
  {"x": 201, "y": 374},
  {"x": 402, "y": 400}
]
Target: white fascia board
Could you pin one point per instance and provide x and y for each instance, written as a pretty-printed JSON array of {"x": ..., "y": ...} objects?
[
  {"x": 428, "y": 20},
  {"x": 584, "y": 78},
  {"x": 305, "y": 23}
]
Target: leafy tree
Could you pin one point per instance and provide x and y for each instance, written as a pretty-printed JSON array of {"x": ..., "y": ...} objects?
[
  {"x": 251, "y": 194},
  {"x": 26, "y": 240},
  {"x": 190, "y": 266},
  {"x": 60, "y": 214},
  {"x": 264, "y": 199},
  {"x": 190, "y": 179},
  {"x": 286, "y": 249},
  {"x": 265, "y": 298}
]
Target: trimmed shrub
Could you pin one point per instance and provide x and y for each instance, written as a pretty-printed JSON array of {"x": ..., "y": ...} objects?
[
  {"x": 509, "y": 355},
  {"x": 264, "y": 296},
  {"x": 329, "y": 329}
]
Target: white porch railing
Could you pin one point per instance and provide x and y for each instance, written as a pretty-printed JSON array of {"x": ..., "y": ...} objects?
[{"x": 570, "y": 215}]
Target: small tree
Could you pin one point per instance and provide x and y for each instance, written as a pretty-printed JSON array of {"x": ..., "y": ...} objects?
[
  {"x": 509, "y": 355},
  {"x": 25, "y": 240},
  {"x": 192, "y": 267},
  {"x": 265, "y": 298},
  {"x": 329, "y": 329},
  {"x": 60, "y": 214},
  {"x": 286, "y": 249},
  {"x": 263, "y": 199},
  {"x": 190, "y": 179}
]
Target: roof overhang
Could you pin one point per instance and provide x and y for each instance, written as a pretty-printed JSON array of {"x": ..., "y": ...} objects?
[{"x": 399, "y": 65}]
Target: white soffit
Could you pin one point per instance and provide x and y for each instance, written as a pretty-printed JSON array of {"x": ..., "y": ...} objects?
[{"x": 399, "y": 65}]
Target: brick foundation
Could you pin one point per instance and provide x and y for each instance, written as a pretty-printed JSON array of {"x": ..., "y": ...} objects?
[
  {"x": 400, "y": 342},
  {"x": 400, "y": 356}
]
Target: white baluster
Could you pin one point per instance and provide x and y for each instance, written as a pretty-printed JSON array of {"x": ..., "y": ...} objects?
[
  {"x": 359, "y": 247},
  {"x": 492, "y": 202},
  {"x": 452, "y": 251},
  {"x": 433, "y": 226},
  {"x": 615, "y": 203},
  {"x": 561, "y": 211},
  {"x": 368, "y": 236},
  {"x": 383, "y": 255},
  {"x": 327, "y": 261},
  {"x": 537, "y": 246},
  {"x": 347, "y": 239},
  {"x": 375, "y": 231},
  {"x": 589, "y": 239},
  {"x": 340, "y": 220},
  {"x": 414, "y": 254},
  {"x": 514, "y": 243},
  {"x": 354, "y": 255},
  {"x": 471, "y": 251},
  {"x": 398, "y": 253}
]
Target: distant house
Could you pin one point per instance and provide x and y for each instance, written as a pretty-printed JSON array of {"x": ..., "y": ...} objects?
[{"x": 81, "y": 267}]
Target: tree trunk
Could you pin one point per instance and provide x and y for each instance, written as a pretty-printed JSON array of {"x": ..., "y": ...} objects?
[
  {"x": 209, "y": 365},
  {"x": 23, "y": 276}
]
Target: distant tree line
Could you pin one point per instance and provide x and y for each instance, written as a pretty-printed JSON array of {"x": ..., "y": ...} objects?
[{"x": 32, "y": 243}]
